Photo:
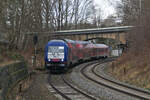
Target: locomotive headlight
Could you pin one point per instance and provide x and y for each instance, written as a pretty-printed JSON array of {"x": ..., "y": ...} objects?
[{"x": 62, "y": 59}]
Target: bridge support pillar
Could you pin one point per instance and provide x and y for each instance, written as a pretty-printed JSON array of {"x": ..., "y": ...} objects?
[
  {"x": 87, "y": 37},
  {"x": 118, "y": 42},
  {"x": 73, "y": 37},
  {"x": 79, "y": 37}
]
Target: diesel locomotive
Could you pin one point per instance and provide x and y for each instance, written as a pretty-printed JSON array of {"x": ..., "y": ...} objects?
[{"x": 62, "y": 53}]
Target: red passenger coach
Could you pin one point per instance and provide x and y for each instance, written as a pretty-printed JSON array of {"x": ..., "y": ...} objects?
[{"x": 83, "y": 50}]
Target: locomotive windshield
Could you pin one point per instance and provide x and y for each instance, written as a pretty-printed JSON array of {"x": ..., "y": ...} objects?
[{"x": 55, "y": 52}]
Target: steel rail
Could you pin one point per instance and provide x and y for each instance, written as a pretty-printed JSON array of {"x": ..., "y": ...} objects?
[
  {"x": 94, "y": 72},
  {"x": 72, "y": 87},
  {"x": 111, "y": 87},
  {"x": 78, "y": 90},
  {"x": 58, "y": 91}
]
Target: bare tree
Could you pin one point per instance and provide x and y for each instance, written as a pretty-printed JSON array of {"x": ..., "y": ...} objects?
[
  {"x": 18, "y": 17},
  {"x": 129, "y": 11}
]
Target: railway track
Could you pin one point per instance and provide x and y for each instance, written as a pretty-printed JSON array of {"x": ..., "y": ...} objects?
[
  {"x": 69, "y": 91},
  {"x": 89, "y": 72}
]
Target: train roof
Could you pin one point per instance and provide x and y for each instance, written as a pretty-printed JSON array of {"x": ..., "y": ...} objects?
[
  {"x": 82, "y": 42},
  {"x": 56, "y": 41},
  {"x": 102, "y": 45},
  {"x": 68, "y": 40}
]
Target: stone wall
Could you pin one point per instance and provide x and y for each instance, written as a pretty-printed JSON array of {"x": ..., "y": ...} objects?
[{"x": 10, "y": 75}]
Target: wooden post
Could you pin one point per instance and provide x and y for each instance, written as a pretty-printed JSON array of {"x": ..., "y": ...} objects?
[
  {"x": 30, "y": 75},
  {"x": 87, "y": 37},
  {"x": 124, "y": 70},
  {"x": 34, "y": 58},
  {"x": 113, "y": 66},
  {"x": 20, "y": 88},
  {"x": 35, "y": 40}
]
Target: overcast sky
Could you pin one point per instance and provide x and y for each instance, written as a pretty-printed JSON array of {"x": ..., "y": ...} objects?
[{"x": 107, "y": 8}]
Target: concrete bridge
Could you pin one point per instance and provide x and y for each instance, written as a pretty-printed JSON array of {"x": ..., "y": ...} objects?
[{"x": 117, "y": 33}]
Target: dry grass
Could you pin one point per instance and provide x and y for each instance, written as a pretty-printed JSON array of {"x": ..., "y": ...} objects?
[{"x": 135, "y": 71}]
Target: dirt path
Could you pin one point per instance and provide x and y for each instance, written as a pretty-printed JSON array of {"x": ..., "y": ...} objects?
[{"x": 38, "y": 89}]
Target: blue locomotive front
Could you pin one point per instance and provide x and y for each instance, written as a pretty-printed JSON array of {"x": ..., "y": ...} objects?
[{"x": 56, "y": 55}]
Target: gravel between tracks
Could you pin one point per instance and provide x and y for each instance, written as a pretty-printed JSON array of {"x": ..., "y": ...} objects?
[{"x": 100, "y": 91}]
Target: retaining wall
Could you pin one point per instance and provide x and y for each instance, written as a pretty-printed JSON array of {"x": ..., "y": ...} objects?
[{"x": 10, "y": 75}]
